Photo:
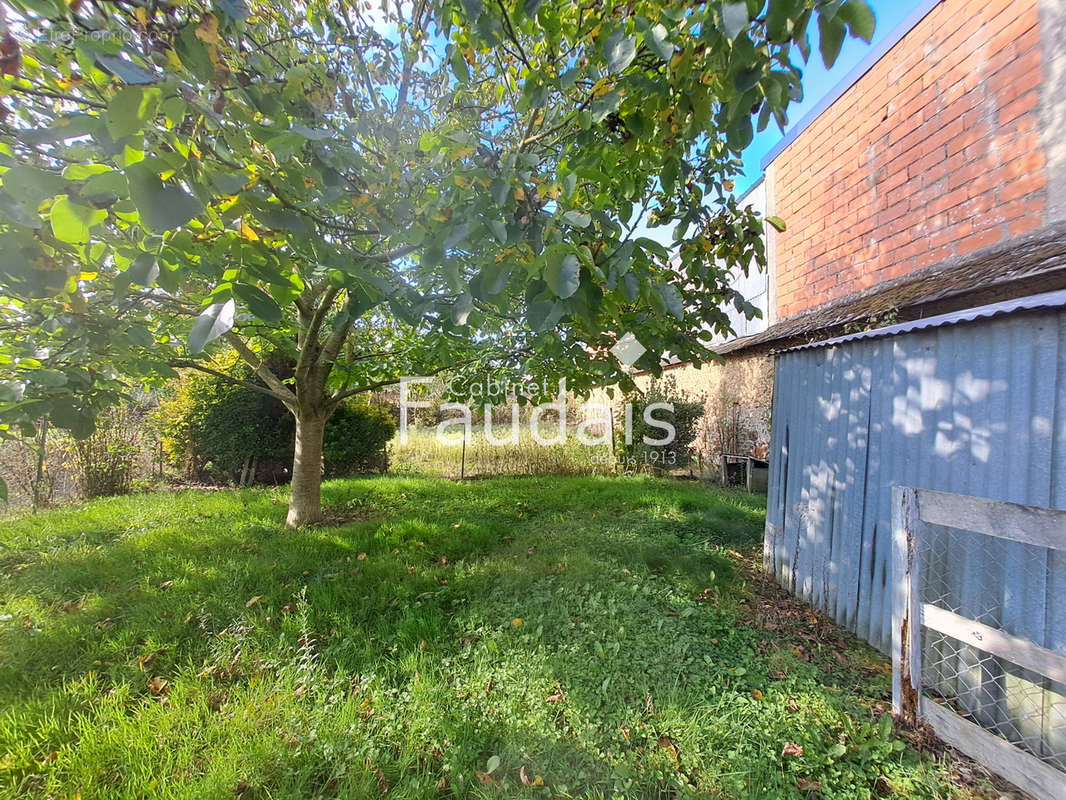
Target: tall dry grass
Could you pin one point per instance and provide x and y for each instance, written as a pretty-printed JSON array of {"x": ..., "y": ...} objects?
[{"x": 424, "y": 453}]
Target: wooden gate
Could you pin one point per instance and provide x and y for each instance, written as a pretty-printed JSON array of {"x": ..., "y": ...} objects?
[{"x": 997, "y": 696}]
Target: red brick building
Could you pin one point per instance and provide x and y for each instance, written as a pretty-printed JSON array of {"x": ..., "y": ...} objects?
[
  {"x": 932, "y": 179},
  {"x": 941, "y": 145}
]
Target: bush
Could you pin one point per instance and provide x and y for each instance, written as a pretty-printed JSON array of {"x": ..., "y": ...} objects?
[
  {"x": 105, "y": 460},
  {"x": 355, "y": 439},
  {"x": 685, "y": 418},
  {"x": 215, "y": 430}
]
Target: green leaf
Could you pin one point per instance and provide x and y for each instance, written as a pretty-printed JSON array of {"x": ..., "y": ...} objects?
[
  {"x": 130, "y": 109},
  {"x": 831, "y": 32},
  {"x": 656, "y": 38},
  {"x": 193, "y": 53},
  {"x": 162, "y": 207},
  {"x": 740, "y": 133},
  {"x": 106, "y": 185},
  {"x": 608, "y": 104},
  {"x": 216, "y": 320},
  {"x": 620, "y": 50},
  {"x": 14, "y": 212},
  {"x": 71, "y": 221},
  {"x": 531, "y": 7},
  {"x": 577, "y": 218},
  {"x": 143, "y": 271},
  {"x": 29, "y": 186},
  {"x": 281, "y": 219},
  {"x": 734, "y": 19},
  {"x": 261, "y": 304},
  {"x": 80, "y": 423},
  {"x": 473, "y": 9},
  {"x": 459, "y": 67},
  {"x": 543, "y": 314},
  {"x": 464, "y": 304},
  {"x": 675, "y": 303},
  {"x": 81, "y": 172},
  {"x": 860, "y": 18},
  {"x": 562, "y": 272},
  {"x": 237, "y": 9},
  {"x": 126, "y": 70},
  {"x": 49, "y": 377},
  {"x": 499, "y": 230},
  {"x": 748, "y": 79},
  {"x": 777, "y": 222},
  {"x": 174, "y": 110}
]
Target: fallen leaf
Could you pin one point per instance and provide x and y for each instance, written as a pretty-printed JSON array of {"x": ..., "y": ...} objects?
[
  {"x": 791, "y": 749},
  {"x": 165, "y": 585},
  {"x": 300, "y": 690},
  {"x": 517, "y": 622},
  {"x": 259, "y": 598},
  {"x": 361, "y": 557},
  {"x": 485, "y": 778},
  {"x": 808, "y": 785},
  {"x": 756, "y": 694},
  {"x": 522, "y": 777},
  {"x": 157, "y": 685},
  {"x": 555, "y": 698}
]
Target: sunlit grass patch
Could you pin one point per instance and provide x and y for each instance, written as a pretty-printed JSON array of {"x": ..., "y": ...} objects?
[{"x": 593, "y": 634}]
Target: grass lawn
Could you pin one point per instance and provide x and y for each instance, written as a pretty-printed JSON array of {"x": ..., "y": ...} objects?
[{"x": 592, "y": 637}]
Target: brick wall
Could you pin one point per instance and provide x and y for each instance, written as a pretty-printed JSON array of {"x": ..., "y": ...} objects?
[{"x": 935, "y": 152}]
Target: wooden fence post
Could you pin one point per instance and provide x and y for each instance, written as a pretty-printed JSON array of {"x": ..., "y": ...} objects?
[{"x": 906, "y": 610}]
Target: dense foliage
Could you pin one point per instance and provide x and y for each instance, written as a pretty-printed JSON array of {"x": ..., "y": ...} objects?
[
  {"x": 456, "y": 183},
  {"x": 214, "y": 429},
  {"x": 681, "y": 412}
]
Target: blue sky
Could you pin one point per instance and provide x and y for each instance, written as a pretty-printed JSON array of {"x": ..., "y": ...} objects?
[{"x": 818, "y": 81}]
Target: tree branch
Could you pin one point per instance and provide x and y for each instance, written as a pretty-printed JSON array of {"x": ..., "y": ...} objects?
[
  {"x": 262, "y": 370},
  {"x": 340, "y": 397},
  {"x": 184, "y": 364}
]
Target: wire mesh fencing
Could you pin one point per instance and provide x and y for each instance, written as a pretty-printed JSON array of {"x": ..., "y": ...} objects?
[
  {"x": 1008, "y": 586},
  {"x": 979, "y": 630}
]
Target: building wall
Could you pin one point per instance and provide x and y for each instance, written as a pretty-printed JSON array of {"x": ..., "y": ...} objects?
[
  {"x": 941, "y": 148},
  {"x": 977, "y": 408},
  {"x": 736, "y": 394}
]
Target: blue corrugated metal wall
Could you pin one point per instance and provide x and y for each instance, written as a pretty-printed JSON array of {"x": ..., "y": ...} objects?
[{"x": 976, "y": 408}]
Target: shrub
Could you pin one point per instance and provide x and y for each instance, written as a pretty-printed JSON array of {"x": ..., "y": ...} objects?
[
  {"x": 106, "y": 459},
  {"x": 355, "y": 439},
  {"x": 213, "y": 429},
  {"x": 685, "y": 418}
]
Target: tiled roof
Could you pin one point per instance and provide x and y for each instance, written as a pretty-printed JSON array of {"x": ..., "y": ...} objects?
[{"x": 1024, "y": 265}]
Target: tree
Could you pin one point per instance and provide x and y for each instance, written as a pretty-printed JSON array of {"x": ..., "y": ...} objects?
[{"x": 426, "y": 186}]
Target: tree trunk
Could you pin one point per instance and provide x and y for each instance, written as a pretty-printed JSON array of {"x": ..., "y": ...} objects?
[{"x": 305, "y": 499}]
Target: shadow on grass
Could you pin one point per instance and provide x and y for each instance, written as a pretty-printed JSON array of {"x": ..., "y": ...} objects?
[{"x": 585, "y": 630}]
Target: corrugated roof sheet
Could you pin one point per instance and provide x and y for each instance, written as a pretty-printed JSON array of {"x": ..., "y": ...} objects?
[
  {"x": 1023, "y": 266},
  {"x": 1045, "y": 300}
]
